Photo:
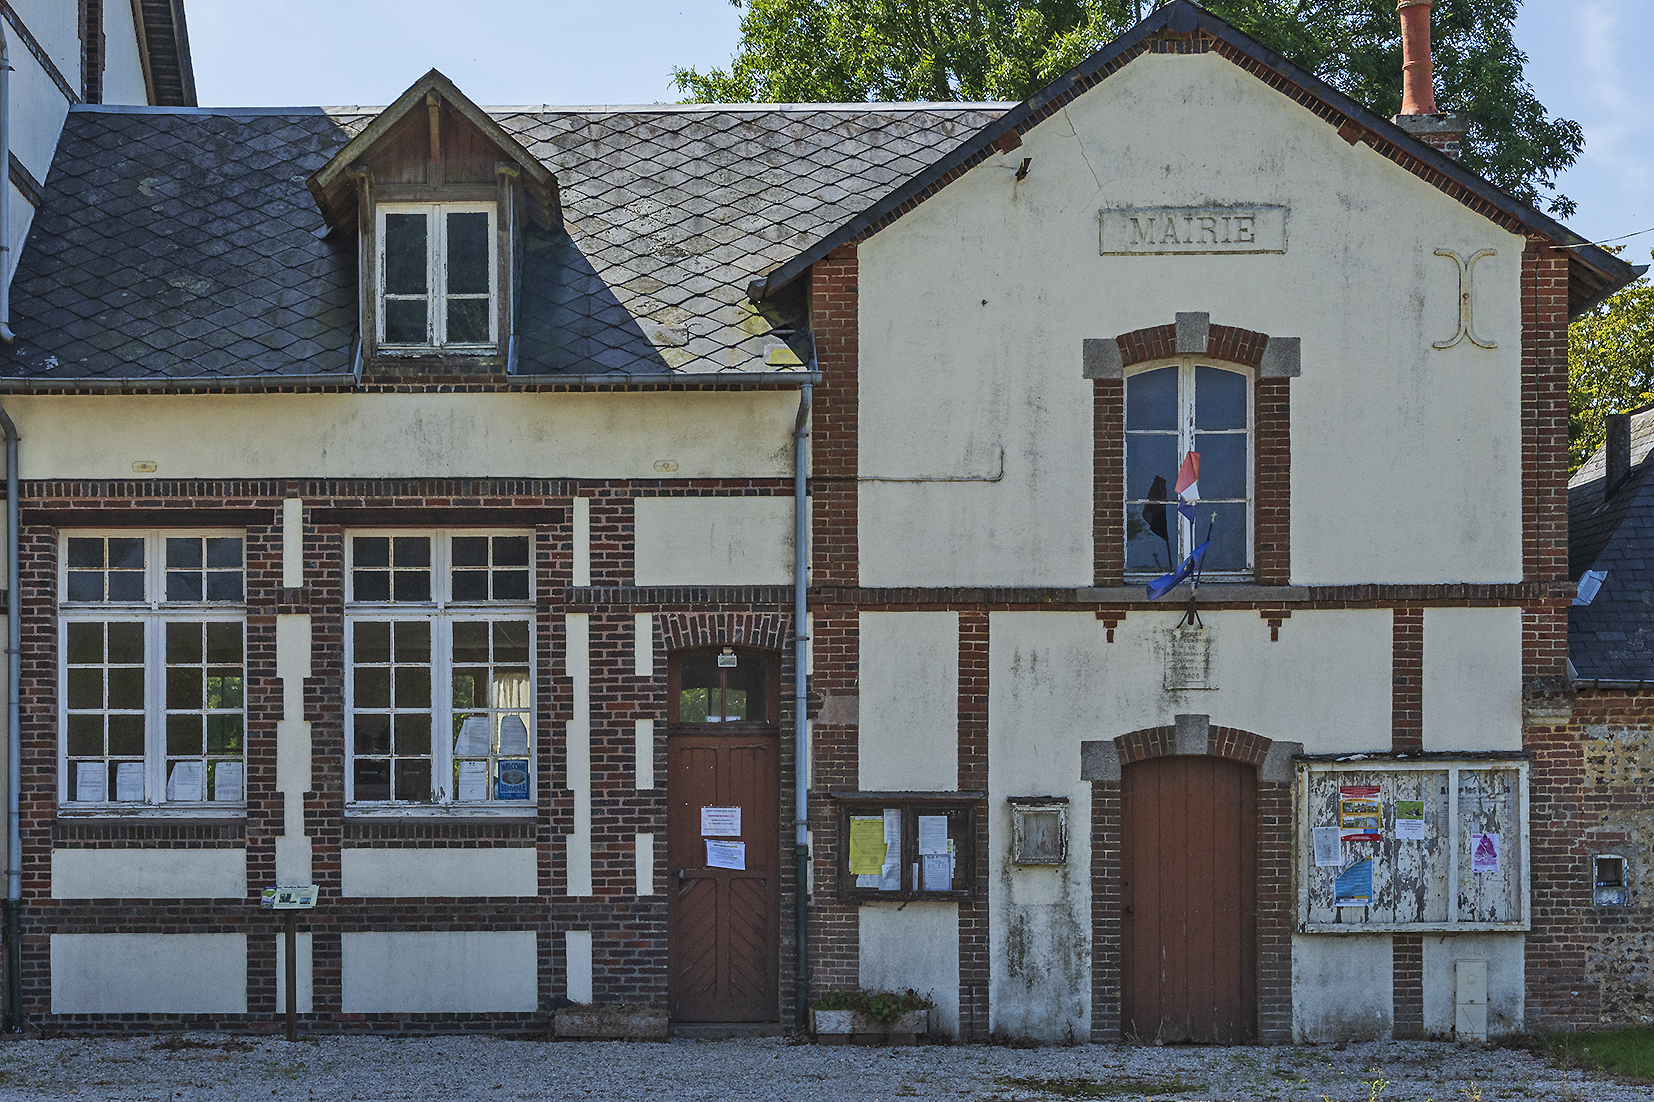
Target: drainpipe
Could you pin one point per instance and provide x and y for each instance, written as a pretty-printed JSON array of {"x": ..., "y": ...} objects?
[
  {"x": 5, "y": 191},
  {"x": 801, "y": 699},
  {"x": 14, "y": 747}
]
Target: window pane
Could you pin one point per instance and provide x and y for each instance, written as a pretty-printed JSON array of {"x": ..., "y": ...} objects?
[
  {"x": 467, "y": 687},
  {"x": 224, "y": 551},
  {"x": 370, "y": 551},
  {"x": 85, "y": 736},
  {"x": 126, "y": 642},
  {"x": 373, "y": 736},
  {"x": 511, "y": 642},
  {"x": 471, "y": 641},
  {"x": 183, "y": 587},
  {"x": 413, "y": 734},
  {"x": 413, "y": 551},
  {"x": 405, "y": 321},
  {"x": 373, "y": 779},
  {"x": 85, "y": 689},
  {"x": 85, "y": 586},
  {"x": 511, "y": 585},
  {"x": 412, "y": 585},
  {"x": 1146, "y": 549},
  {"x": 183, "y": 643},
  {"x": 467, "y": 321},
  {"x": 413, "y": 642},
  {"x": 372, "y": 642},
  {"x": 126, "y": 554},
  {"x": 413, "y": 779},
  {"x": 470, "y": 585},
  {"x": 510, "y": 550},
  {"x": 467, "y": 255},
  {"x": 1151, "y": 457},
  {"x": 224, "y": 735},
  {"x": 126, "y": 586},
  {"x": 224, "y": 688},
  {"x": 405, "y": 254},
  {"x": 693, "y": 705},
  {"x": 1228, "y": 550},
  {"x": 183, "y": 552},
  {"x": 224, "y": 585},
  {"x": 747, "y": 689},
  {"x": 184, "y": 736},
  {"x": 413, "y": 687},
  {"x": 1222, "y": 464},
  {"x": 1151, "y": 399},
  {"x": 84, "y": 643},
  {"x": 470, "y": 550},
  {"x": 224, "y": 643},
  {"x": 86, "y": 552},
  {"x": 1220, "y": 400},
  {"x": 126, "y": 736},
  {"x": 371, "y": 585},
  {"x": 126, "y": 688},
  {"x": 373, "y": 688},
  {"x": 183, "y": 686}
]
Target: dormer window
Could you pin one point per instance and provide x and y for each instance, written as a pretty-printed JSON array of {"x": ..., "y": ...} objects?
[{"x": 437, "y": 276}]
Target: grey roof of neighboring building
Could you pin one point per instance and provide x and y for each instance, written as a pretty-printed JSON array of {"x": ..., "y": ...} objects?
[
  {"x": 1612, "y": 638},
  {"x": 182, "y": 244}
]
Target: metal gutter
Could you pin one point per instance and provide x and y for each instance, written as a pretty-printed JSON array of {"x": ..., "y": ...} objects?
[
  {"x": 801, "y": 695},
  {"x": 353, "y": 379},
  {"x": 1601, "y": 683},
  {"x": 14, "y": 740}
]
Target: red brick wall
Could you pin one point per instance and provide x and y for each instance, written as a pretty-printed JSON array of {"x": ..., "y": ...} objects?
[
  {"x": 1545, "y": 457},
  {"x": 974, "y": 919}
]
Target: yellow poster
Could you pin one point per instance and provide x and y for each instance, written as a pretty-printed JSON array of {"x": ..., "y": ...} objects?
[{"x": 867, "y": 846}]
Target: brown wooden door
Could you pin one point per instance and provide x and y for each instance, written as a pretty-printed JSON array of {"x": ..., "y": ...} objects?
[
  {"x": 1188, "y": 930},
  {"x": 723, "y": 924}
]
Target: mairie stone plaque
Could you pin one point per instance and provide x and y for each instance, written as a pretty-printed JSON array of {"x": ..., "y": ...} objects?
[{"x": 1130, "y": 231}]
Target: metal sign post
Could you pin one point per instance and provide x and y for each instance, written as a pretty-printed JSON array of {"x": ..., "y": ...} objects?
[{"x": 291, "y": 901}]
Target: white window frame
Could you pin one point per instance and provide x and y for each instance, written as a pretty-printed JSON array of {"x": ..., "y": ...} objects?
[
  {"x": 436, "y": 277},
  {"x": 440, "y": 612},
  {"x": 154, "y": 612},
  {"x": 1185, "y": 443}
]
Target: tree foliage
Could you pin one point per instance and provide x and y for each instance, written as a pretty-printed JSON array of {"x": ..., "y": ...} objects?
[
  {"x": 1609, "y": 355},
  {"x": 847, "y": 51}
]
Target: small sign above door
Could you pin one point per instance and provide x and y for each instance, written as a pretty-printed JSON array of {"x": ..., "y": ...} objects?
[
  {"x": 1238, "y": 229},
  {"x": 720, "y": 822}
]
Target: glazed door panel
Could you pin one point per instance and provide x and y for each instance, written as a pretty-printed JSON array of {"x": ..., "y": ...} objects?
[
  {"x": 723, "y": 924},
  {"x": 1188, "y": 925}
]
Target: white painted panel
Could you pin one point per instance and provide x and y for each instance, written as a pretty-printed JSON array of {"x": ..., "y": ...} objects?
[
  {"x": 149, "y": 873},
  {"x": 439, "y": 973},
  {"x": 908, "y": 735},
  {"x": 1472, "y": 679},
  {"x": 643, "y": 752},
  {"x": 1342, "y": 988},
  {"x": 293, "y": 757},
  {"x": 726, "y": 434},
  {"x": 914, "y": 946},
  {"x": 577, "y": 949},
  {"x": 582, "y": 538},
  {"x": 304, "y": 973},
  {"x": 446, "y": 873},
  {"x": 36, "y": 126},
  {"x": 714, "y": 540},
  {"x": 975, "y": 305},
  {"x": 643, "y": 860},
  {"x": 1505, "y": 955},
  {"x": 578, "y": 751},
  {"x": 292, "y": 542},
  {"x": 643, "y": 644},
  {"x": 293, "y": 864},
  {"x": 149, "y": 973},
  {"x": 123, "y": 72}
]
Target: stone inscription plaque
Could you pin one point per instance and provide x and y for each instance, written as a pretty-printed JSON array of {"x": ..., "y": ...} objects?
[{"x": 1170, "y": 230}]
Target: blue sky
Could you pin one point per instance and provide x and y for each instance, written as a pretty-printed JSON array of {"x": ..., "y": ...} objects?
[{"x": 1582, "y": 61}]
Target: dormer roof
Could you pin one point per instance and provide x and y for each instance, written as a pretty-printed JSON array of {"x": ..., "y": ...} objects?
[{"x": 414, "y": 124}]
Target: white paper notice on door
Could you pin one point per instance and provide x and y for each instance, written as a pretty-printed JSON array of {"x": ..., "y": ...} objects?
[
  {"x": 726, "y": 855},
  {"x": 720, "y": 822}
]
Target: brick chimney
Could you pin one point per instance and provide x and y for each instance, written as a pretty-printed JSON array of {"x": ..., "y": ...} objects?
[{"x": 1418, "y": 98}]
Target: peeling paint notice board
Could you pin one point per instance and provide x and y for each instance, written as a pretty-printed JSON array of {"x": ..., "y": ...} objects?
[{"x": 1412, "y": 845}]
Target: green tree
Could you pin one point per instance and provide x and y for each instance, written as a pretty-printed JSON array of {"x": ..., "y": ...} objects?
[
  {"x": 1609, "y": 355},
  {"x": 846, "y": 51}
]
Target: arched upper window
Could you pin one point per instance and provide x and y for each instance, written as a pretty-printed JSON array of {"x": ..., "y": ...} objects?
[
  {"x": 724, "y": 685},
  {"x": 1174, "y": 407}
]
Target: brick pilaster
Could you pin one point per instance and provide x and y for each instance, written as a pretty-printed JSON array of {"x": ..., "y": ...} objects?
[
  {"x": 834, "y": 445},
  {"x": 1407, "y": 680},
  {"x": 1407, "y": 982},
  {"x": 1545, "y": 457},
  {"x": 974, "y": 943}
]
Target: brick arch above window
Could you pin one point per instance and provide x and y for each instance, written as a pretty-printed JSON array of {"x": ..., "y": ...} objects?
[
  {"x": 683, "y": 630},
  {"x": 1276, "y": 361}
]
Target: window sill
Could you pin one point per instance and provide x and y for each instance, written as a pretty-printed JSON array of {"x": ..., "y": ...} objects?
[
  {"x": 1212, "y": 592},
  {"x": 231, "y": 813},
  {"x": 440, "y": 812}
]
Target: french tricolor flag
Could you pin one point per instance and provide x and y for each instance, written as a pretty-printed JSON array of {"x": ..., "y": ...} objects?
[{"x": 1188, "y": 486}]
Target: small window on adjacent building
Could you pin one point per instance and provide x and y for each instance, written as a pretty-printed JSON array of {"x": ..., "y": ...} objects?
[
  {"x": 1171, "y": 410},
  {"x": 436, "y": 276}
]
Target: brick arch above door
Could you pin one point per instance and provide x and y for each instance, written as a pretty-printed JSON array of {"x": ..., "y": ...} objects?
[
  {"x": 1191, "y": 734},
  {"x": 1276, "y": 361},
  {"x": 680, "y": 630}
]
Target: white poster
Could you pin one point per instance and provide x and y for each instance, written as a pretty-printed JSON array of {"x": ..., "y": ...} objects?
[
  {"x": 933, "y": 835},
  {"x": 938, "y": 872},
  {"x": 227, "y": 786},
  {"x": 473, "y": 780},
  {"x": 1326, "y": 846},
  {"x": 513, "y": 735},
  {"x": 91, "y": 782},
  {"x": 129, "y": 781},
  {"x": 184, "y": 782},
  {"x": 720, "y": 822},
  {"x": 473, "y": 738},
  {"x": 726, "y": 855}
]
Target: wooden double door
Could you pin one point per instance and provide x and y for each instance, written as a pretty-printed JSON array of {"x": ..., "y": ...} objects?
[
  {"x": 723, "y": 924},
  {"x": 1188, "y": 925}
]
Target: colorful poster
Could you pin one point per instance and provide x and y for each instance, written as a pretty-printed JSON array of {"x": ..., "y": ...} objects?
[
  {"x": 1359, "y": 815},
  {"x": 513, "y": 780},
  {"x": 1354, "y": 886},
  {"x": 1327, "y": 850},
  {"x": 1484, "y": 852},
  {"x": 1410, "y": 820},
  {"x": 867, "y": 847}
]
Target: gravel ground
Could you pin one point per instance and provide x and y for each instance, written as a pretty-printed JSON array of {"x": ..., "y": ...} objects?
[{"x": 202, "y": 1066}]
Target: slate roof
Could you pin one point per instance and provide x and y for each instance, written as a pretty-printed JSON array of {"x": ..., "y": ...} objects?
[
  {"x": 1612, "y": 638},
  {"x": 181, "y": 244}
]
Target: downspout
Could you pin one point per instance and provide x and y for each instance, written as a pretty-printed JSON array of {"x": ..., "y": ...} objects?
[
  {"x": 14, "y": 742},
  {"x": 801, "y": 698}
]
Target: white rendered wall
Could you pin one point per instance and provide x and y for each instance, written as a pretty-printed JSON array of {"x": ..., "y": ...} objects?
[
  {"x": 1324, "y": 683},
  {"x": 447, "y": 873},
  {"x": 149, "y": 873},
  {"x": 1472, "y": 679},
  {"x": 909, "y": 708},
  {"x": 1342, "y": 988},
  {"x": 149, "y": 974},
  {"x": 1505, "y": 955},
  {"x": 438, "y": 973},
  {"x": 917, "y": 946},
  {"x": 304, "y": 973},
  {"x": 711, "y": 435},
  {"x": 123, "y": 70},
  {"x": 714, "y": 540},
  {"x": 974, "y": 307}
]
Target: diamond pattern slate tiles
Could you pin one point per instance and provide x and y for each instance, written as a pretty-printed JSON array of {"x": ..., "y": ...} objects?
[
  {"x": 177, "y": 243},
  {"x": 1612, "y": 638}
]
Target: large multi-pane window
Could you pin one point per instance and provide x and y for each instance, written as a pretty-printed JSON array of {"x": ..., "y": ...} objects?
[
  {"x": 152, "y": 649},
  {"x": 436, "y": 275},
  {"x": 1173, "y": 409},
  {"x": 440, "y": 644}
]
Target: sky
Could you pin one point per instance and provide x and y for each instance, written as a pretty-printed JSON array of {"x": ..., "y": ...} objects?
[{"x": 1582, "y": 61}]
